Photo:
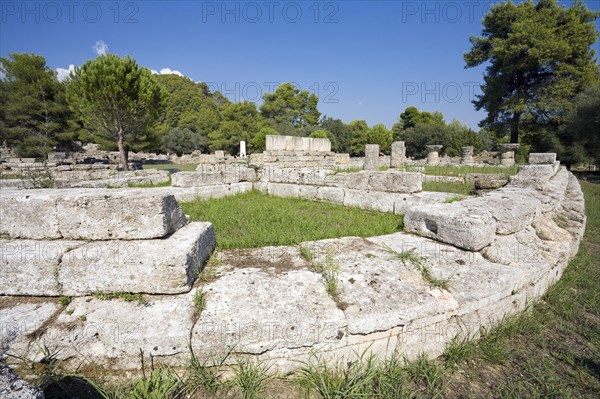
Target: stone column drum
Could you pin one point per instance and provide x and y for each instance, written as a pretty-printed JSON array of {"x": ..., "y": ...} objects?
[
  {"x": 371, "y": 157},
  {"x": 398, "y": 155},
  {"x": 433, "y": 157},
  {"x": 466, "y": 155},
  {"x": 507, "y": 154}
]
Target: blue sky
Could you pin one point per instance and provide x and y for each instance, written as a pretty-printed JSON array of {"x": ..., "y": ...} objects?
[{"x": 365, "y": 59}]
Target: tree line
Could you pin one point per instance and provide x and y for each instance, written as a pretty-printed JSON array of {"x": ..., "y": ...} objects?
[{"x": 541, "y": 88}]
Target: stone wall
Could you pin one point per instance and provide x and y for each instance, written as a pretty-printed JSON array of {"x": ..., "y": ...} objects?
[{"x": 496, "y": 253}]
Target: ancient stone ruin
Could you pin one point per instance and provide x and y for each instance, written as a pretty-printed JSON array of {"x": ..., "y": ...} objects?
[{"x": 496, "y": 252}]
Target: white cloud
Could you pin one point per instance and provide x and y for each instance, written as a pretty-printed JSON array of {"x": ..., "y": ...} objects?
[
  {"x": 100, "y": 48},
  {"x": 360, "y": 103},
  {"x": 64, "y": 73},
  {"x": 166, "y": 71}
]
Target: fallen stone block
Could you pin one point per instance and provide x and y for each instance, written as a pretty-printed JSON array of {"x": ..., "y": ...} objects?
[
  {"x": 29, "y": 214},
  {"x": 161, "y": 266},
  {"x": 453, "y": 224}
]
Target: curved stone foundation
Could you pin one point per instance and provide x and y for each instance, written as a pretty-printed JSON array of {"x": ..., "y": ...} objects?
[{"x": 490, "y": 256}]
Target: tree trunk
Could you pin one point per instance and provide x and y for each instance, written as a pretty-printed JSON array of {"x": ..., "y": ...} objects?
[
  {"x": 122, "y": 152},
  {"x": 514, "y": 128}
]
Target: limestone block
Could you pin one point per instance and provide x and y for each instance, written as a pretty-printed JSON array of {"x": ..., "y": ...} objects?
[
  {"x": 89, "y": 214},
  {"x": 542, "y": 158},
  {"x": 331, "y": 194},
  {"x": 19, "y": 319},
  {"x": 398, "y": 154},
  {"x": 255, "y": 312},
  {"x": 547, "y": 229},
  {"x": 117, "y": 214},
  {"x": 162, "y": 266},
  {"x": 373, "y": 200},
  {"x": 535, "y": 176},
  {"x": 371, "y": 157},
  {"x": 284, "y": 190},
  {"x": 29, "y": 214},
  {"x": 512, "y": 212},
  {"x": 395, "y": 182},
  {"x": 112, "y": 333},
  {"x": 30, "y": 267},
  {"x": 196, "y": 179},
  {"x": 452, "y": 224}
]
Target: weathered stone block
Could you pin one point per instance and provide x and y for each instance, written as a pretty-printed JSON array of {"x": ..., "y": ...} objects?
[
  {"x": 536, "y": 158},
  {"x": 395, "y": 182},
  {"x": 89, "y": 214},
  {"x": 453, "y": 224},
  {"x": 371, "y": 157},
  {"x": 163, "y": 266},
  {"x": 284, "y": 190},
  {"x": 13, "y": 387},
  {"x": 30, "y": 267},
  {"x": 331, "y": 194}
]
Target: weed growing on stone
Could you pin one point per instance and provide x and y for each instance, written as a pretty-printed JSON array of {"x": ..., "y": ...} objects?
[
  {"x": 64, "y": 300},
  {"x": 150, "y": 185},
  {"x": 411, "y": 256},
  {"x": 250, "y": 378},
  {"x": 202, "y": 377},
  {"x": 351, "y": 379},
  {"x": 200, "y": 299},
  {"x": 162, "y": 383},
  {"x": 124, "y": 296},
  {"x": 347, "y": 170},
  {"x": 454, "y": 199}
]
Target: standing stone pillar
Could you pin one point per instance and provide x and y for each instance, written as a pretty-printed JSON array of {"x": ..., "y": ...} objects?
[
  {"x": 433, "y": 157},
  {"x": 220, "y": 154},
  {"x": 242, "y": 149},
  {"x": 371, "y": 157},
  {"x": 507, "y": 154},
  {"x": 466, "y": 155},
  {"x": 398, "y": 155}
]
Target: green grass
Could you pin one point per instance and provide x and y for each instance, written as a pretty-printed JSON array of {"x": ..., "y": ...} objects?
[
  {"x": 200, "y": 299},
  {"x": 251, "y": 220},
  {"x": 182, "y": 168},
  {"x": 449, "y": 187},
  {"x": 446, "y": 170}
]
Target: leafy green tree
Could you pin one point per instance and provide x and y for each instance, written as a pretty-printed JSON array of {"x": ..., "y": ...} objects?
[
  {"x": 539, "y": 59},
  {"x": 580, "y": 133},
  {"x": 339, "y": 133},
  {"x": 182, "y": 141},
  {"x": 457, "y": 135},
  {"x": 379, "y": 134},
  {"x": 258, "y": 143},
  {"x": 290, "y": 104},
  {"x": 240, "y": 122},
  {"x": 412, "y": 116},
  {"x": 319, "y": 134},
  {"x": 34, "y": 112},
  {"x": 422, "y": 134},
  {"x": 115, "y": 97},
  {"x": 359, "y": 130}
]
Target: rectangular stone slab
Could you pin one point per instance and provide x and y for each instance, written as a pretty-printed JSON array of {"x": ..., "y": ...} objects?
[
  {"x": 162, "y": 266},
  {"x": 542, "y": 158},
  {"x": 89, "y": 214},
  {"x": 30, "y": 267},
  {"x": 470, "y": 229}
]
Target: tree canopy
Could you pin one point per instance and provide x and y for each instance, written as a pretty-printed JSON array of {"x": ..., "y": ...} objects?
[
  {"x": 116, "y": 98},
  {"x": 34, "y": 115},
  {"x": 539, "y": 59},
  {"x": 289, "y": 104}
]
